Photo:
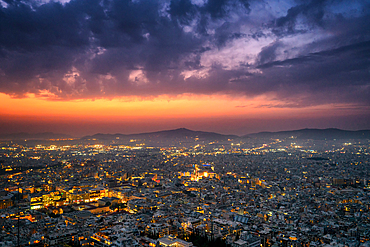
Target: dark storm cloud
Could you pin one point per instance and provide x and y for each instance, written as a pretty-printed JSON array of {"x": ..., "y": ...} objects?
[
  {"x": 220, "y": 8},
  {"x": 268, "y": 53},
  {"x": 340, "y": 74},
  {"x": 312, "y": 52},
  {"x": 313, "y": 11},
  {"x": 26, "y": 27}
]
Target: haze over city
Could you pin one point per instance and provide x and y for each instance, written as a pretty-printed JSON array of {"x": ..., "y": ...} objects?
[{"x": 234, "y": 67}]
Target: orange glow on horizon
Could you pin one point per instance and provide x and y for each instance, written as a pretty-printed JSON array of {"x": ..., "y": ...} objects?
[{"x": 184, "y": 106}]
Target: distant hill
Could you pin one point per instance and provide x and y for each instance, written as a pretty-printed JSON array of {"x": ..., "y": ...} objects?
[
  {"x": 37, "y": 136},
  {"x": 315, "y": 134},
  {"x": 181, "y": 134},
  {"x": 184, "y": 135}
]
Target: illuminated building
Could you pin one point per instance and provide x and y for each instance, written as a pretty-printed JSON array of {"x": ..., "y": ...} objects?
[
  {"x": 6, "y": 202},
  {"x": 173, "y": 242}
]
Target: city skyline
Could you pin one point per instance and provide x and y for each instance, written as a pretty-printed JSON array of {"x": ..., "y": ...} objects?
[{"x": 232, "y": 67}]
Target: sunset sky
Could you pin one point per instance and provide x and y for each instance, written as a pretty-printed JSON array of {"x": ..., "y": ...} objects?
[{"x": 231, "y": 66}]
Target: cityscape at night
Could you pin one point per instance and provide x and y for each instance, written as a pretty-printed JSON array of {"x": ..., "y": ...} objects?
[
  {"x": 185, "y": 123},
  {"x": 187, "y": 188}
]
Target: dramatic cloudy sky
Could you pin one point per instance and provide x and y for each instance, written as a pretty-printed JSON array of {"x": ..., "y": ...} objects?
[{"x": 232, "y": 66}]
